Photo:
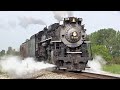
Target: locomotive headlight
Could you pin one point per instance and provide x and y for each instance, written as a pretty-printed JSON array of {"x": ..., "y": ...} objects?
[{"x": 74, "y": 34}]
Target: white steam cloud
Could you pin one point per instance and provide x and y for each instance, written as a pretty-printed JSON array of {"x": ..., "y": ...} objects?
[
  {"x": 96, "y": 64},
  {"x": 25, "y": 21},
  {"x": 59, "y": 15},
  {"x": 17, "y": 68}
]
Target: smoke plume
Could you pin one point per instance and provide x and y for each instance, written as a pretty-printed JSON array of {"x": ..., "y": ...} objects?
[
  {"x": 59, "y": 15},
  {"x": 25, "y": 21},
  {"x": 17, "y": 68},
  {"x": 96, "y": 64}
]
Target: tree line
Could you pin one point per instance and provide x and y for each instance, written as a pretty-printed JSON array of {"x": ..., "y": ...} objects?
[
  {"x": 106, "y": 42},
  {"x": 10, "y": 51}
]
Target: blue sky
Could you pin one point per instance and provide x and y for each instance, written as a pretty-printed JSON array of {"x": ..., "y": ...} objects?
[{"x": 12, "y": 33}]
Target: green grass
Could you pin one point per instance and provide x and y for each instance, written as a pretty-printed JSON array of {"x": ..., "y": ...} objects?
[{"x": 115, "y": 68}]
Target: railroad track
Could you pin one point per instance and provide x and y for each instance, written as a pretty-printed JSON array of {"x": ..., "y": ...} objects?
[
  {"x": 86, "y": 75},
  {"x": 76, "y": 75}
]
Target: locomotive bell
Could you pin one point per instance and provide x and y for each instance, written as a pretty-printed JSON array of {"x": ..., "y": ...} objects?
[{"x": 73, "y": 20}]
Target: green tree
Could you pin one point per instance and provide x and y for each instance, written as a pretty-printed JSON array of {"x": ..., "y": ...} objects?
[
  {"x": 103, "y": 36},
  {"x": 16, "y": 53},
  {"x": 2, "y": 52},
  {"x": 101, "y": 50},
  {"x": 109, "y": 38},
  {"x": 12, "y": 51},
  {"x": 9, "y": 51}
]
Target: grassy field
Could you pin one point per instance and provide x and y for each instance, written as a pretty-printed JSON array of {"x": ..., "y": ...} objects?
[{"x": 112, "y": 68}]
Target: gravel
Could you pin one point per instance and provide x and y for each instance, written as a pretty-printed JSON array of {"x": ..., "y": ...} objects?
[
  {"x": 51, "y": 75},
  {"x": 43, "y": 74},
  {"x": 4, "y": 76}
]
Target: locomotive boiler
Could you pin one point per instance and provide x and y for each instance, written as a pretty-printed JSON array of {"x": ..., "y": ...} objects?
[{"x": 63, "y": 44}]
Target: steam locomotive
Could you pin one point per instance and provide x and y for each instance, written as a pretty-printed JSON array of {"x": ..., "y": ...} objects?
[{"x": 63, "y": 44}]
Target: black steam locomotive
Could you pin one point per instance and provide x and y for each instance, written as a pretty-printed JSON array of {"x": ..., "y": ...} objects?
[{"x": 62, "y": 44}]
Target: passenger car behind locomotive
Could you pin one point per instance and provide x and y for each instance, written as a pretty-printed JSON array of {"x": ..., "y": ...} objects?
[{"x": 63, "y": 44}]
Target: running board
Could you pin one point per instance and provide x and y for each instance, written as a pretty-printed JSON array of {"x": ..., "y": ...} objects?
[
  {"x": 74, "y": 52},
  {"x": 62, "y": 68}
]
